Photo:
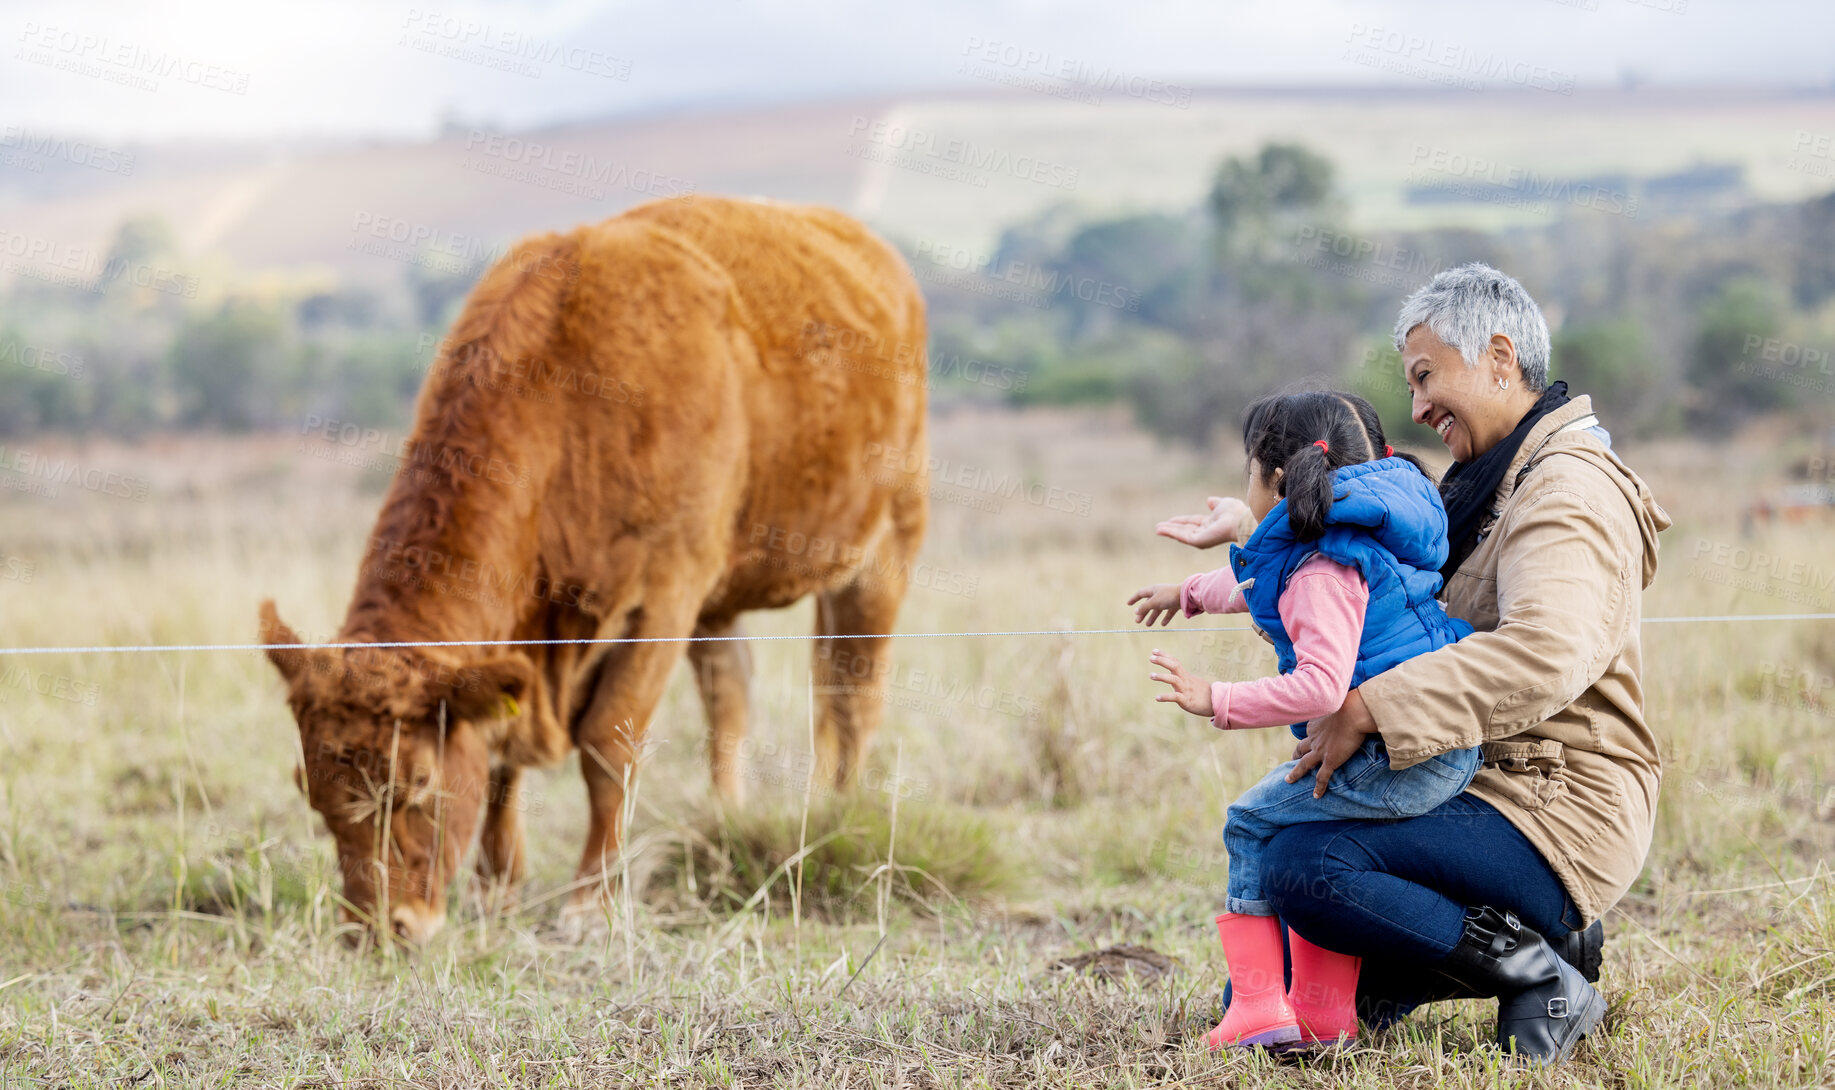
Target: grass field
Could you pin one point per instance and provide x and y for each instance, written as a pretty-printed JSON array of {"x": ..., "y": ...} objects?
[{"x": 168, "y": 902}]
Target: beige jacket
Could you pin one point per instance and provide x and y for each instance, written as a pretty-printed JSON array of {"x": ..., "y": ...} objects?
[{"x": 1549, "y": 682}]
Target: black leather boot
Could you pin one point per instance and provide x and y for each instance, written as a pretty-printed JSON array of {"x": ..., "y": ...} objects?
[
  {"x": 1544, "y": 1005},
  {"x": 1583, "y": 949}
]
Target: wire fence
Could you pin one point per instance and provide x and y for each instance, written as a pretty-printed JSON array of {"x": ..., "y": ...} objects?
[{"x": 121, "y": 649}]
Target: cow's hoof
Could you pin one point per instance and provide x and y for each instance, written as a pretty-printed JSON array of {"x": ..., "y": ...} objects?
[
  {"x": 496, "y": 897},
  {"x": 729, "y": 792},
  {"x": 583, "y": 918}
]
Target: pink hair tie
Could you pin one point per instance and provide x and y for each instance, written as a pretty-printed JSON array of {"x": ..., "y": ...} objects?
[
  {"x": 1388, "y": 451},
  {"x": 1320, "y": 443}
]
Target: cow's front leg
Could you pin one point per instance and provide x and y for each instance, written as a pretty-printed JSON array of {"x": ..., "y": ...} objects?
[
  {"x": 500, "y": 849},
  {"x": 610, "y": 734}
]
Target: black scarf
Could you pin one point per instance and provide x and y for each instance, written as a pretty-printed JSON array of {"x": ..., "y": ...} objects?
[{"x": 1469, "y": 487}]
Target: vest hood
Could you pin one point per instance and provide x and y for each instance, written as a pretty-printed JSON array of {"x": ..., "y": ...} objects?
[{"x": 1390, "y": 500}]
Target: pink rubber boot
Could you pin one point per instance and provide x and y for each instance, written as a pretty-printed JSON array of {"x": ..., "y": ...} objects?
[
  {"x": 1324, "y": 994},
  {"x": 1258, "y": 1014}
]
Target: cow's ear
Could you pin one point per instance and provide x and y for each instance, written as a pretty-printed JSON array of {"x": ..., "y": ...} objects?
[
  {"x": 290, "y": 661},
  {"x": 498, "y": 688}
]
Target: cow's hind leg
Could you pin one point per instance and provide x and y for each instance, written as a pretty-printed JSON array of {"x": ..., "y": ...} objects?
[
  {"x": 852, "y": 661},
  {"x": 723, "y": 674}
]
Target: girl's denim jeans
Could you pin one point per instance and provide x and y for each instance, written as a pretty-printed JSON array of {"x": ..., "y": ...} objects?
[{"x": 1363, "y": 787}]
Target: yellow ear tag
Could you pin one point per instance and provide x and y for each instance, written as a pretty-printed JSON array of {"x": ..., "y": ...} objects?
[{"x": 510, "y": 707}]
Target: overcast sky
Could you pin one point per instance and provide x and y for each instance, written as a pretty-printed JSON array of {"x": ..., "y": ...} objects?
[{"x": 232, "y": 68}]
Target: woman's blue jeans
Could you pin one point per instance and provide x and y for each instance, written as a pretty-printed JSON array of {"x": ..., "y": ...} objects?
[
  {"x": 1395, "y": 893},
  {"x": 1363, "y": 787}
]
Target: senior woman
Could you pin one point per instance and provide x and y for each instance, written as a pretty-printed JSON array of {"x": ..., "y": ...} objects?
[{"x": 1553, "y": 540}]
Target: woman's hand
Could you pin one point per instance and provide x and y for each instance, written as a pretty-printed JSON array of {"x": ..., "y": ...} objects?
[
  {"x": 1158, "y": 603},
  {"x": 1187, "y": 691},
  {"x": 1329, "y": 742},
  {"x": 1228, "y": 519}
]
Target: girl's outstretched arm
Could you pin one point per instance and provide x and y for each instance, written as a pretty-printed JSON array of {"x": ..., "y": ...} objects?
[
  {"x": 1323, "y": 612},
  {"x": 1211, "y": 592},
  {"x": 1157, "y": 602},
  {"x": 1228, "y": 519}
]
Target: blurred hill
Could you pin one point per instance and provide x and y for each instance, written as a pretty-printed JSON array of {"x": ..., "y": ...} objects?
[
  {"x": 952, "y": 169},
  {"x": 1072, "y": 251}
]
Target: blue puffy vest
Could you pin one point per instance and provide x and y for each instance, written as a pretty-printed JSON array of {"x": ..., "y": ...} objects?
[{"x": 1388, "y": 523}]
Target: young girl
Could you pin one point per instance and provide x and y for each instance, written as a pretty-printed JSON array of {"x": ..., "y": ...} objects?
[{"x": 1340, "y": 575}]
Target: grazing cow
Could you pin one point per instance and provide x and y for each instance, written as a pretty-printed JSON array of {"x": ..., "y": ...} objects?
[{"x": 640, "y": 429}]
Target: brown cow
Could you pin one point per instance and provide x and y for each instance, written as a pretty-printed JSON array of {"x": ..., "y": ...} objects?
[{"x": 639, "y": 429}]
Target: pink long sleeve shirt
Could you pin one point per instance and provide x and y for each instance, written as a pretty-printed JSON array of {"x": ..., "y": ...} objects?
[{"x": 1323, "y": 611}]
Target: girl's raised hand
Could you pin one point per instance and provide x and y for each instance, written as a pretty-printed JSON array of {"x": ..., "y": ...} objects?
[
  {"x": 1158, "y": 603},
  {"x": 1188, "y": 692},
  {"x": 1228, "y": 519}
]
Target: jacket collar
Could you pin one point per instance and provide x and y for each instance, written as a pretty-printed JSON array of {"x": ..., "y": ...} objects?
[{"x": 1535, "y": 444}]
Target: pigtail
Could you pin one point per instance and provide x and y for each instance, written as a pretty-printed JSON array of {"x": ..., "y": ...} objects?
[
  {"x": 1306, "y": 482},
  {"x": 1308, "y": 436}
]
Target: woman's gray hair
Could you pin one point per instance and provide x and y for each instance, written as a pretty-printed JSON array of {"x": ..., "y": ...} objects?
[{"x": 1467, "y": 306}]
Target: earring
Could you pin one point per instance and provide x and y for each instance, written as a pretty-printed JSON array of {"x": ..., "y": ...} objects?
[{"x": 1503, "y": 384}]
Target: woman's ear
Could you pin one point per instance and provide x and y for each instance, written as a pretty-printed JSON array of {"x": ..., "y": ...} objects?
[
  {"x": 1504, "y": 364},
  {"x": 1275, "y": 481}
]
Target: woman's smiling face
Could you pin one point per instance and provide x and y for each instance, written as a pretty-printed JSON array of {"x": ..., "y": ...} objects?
[{"x": 1464, "y": 403}]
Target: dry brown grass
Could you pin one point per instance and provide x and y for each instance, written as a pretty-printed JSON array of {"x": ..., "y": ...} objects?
[{"x": 167, "y": 903}]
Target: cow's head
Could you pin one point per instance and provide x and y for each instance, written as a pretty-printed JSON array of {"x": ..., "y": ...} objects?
[{"x": 396, "y": 757}]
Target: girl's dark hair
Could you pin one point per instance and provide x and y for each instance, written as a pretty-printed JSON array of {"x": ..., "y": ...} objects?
[{"x": 1282, "y": 431}]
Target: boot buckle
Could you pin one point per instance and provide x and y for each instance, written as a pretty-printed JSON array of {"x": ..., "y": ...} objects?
[{"x": 1557, "y": 1007}]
